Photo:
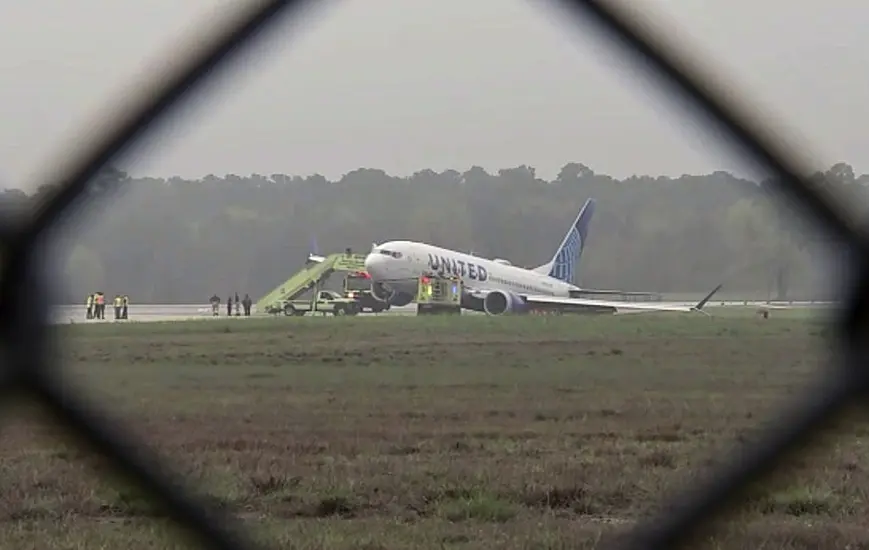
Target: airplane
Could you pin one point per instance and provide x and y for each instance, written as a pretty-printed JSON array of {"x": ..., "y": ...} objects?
[
  {"x": 497, "y": 287},
  {"x": 314, "y": 256}
]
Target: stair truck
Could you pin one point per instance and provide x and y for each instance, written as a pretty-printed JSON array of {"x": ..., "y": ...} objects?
[
  {"x": 316, "y": 271},
  {"x": 357, "y": 286},
  {"x": 439, "y": 295}
]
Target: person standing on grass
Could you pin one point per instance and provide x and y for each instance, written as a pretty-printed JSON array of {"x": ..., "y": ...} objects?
[
  {"x": 125, "y": 301},
  {"x": 215, "y": 305},
  {"x": 90, "y": 305},
  {"x": 117, "y": 303},
  {"x": 247, "y": 302},
  {"x": 229, "y": 306}
]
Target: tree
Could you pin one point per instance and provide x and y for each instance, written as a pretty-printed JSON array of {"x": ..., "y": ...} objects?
[
  {"x": 85, "y": 271},
  {"x": 573, "y": 173},
  {"x": 179, "y": 240}
]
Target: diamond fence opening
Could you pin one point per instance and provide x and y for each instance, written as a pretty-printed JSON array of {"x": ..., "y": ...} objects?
[{"x": 27, "y": 368}]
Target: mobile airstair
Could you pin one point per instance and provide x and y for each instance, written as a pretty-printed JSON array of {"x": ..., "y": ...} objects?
[{"x": 313, "y": 274}]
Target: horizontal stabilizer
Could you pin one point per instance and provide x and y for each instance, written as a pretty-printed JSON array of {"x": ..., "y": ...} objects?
[{"x": 315, "y": 259}]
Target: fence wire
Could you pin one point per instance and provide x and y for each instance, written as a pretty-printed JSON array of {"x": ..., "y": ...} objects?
[{"x": 27, "y": 365}]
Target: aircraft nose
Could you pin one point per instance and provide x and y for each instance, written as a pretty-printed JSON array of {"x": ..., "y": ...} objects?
[{"x": 373, "y": 264}]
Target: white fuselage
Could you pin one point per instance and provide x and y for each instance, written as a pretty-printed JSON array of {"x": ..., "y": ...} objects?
[{"x": 398, "y": 265}]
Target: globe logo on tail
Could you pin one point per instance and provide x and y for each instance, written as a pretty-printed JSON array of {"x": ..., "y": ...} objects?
[{"x": 565, "y": 260}]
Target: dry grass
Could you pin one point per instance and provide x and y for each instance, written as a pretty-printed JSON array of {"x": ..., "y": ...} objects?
[{"x": 409, "y": 433}]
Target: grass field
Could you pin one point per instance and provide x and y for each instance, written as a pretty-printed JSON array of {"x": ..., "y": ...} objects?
[{"x": 403, "y": 433}]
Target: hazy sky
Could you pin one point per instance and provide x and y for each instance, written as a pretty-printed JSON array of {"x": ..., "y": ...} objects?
[{"x": 409, "y": 84}]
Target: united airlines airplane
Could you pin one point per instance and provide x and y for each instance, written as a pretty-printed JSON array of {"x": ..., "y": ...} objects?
[{"x": 495, "y": 286}]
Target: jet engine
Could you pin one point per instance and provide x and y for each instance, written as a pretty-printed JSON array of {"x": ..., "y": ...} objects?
[
  {"x": 499, "y": 302},
  {"x": 400, "y": 299},
  {"x": 391, "y": 297},
  {"x": 381, "y": 293}
]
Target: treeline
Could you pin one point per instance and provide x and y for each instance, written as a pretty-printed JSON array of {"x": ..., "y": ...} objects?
[{"x": 179, "y": 241}]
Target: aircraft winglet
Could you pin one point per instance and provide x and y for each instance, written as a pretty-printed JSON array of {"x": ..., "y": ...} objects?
[{"x": 702, "y": 303}]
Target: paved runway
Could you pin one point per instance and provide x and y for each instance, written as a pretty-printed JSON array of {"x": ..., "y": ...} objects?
[
  {"x": 184, "y": 312},
  {"x": 168, "y": 312}
]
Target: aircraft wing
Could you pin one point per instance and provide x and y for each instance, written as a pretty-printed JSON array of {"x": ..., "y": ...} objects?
[
  {"x": 617, "y": 307},
  {"x": 596, "y": 292},
  {"x": 605, "y": 306},
  {"x": 796, "y": 305}
]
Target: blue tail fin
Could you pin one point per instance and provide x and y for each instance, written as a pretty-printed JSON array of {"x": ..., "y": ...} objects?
[
  {"x": 563, "y": 263},
  {"x": 313, "y": 245}
]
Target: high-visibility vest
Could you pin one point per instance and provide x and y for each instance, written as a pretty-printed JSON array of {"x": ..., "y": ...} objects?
[
  {"x": 126, "y": 300},
  {"x": 117, "y": 301},
  {"x": 90, "y": 300}
]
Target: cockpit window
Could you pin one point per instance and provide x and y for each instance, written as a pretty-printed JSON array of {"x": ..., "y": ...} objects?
[{"x": 390, "y": 253}]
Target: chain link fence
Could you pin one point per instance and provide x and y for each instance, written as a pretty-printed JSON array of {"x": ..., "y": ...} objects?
[{"x": 24, "y": 329}]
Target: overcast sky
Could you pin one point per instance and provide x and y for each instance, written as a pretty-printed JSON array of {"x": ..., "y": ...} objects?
[{"x": 404, "y": 85}]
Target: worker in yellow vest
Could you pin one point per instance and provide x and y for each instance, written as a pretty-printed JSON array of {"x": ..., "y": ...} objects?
[
  {"x": 117, "y": 304},
  {"x": 90, "y": 306}
]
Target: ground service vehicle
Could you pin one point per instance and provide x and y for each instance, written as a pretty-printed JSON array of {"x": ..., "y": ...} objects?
[
  {"x": 357, "y": 285},
  {"x": 317, "y": 269},
  {"x": 439, "y": 295},
  {"x": 324, "y": 301}
]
